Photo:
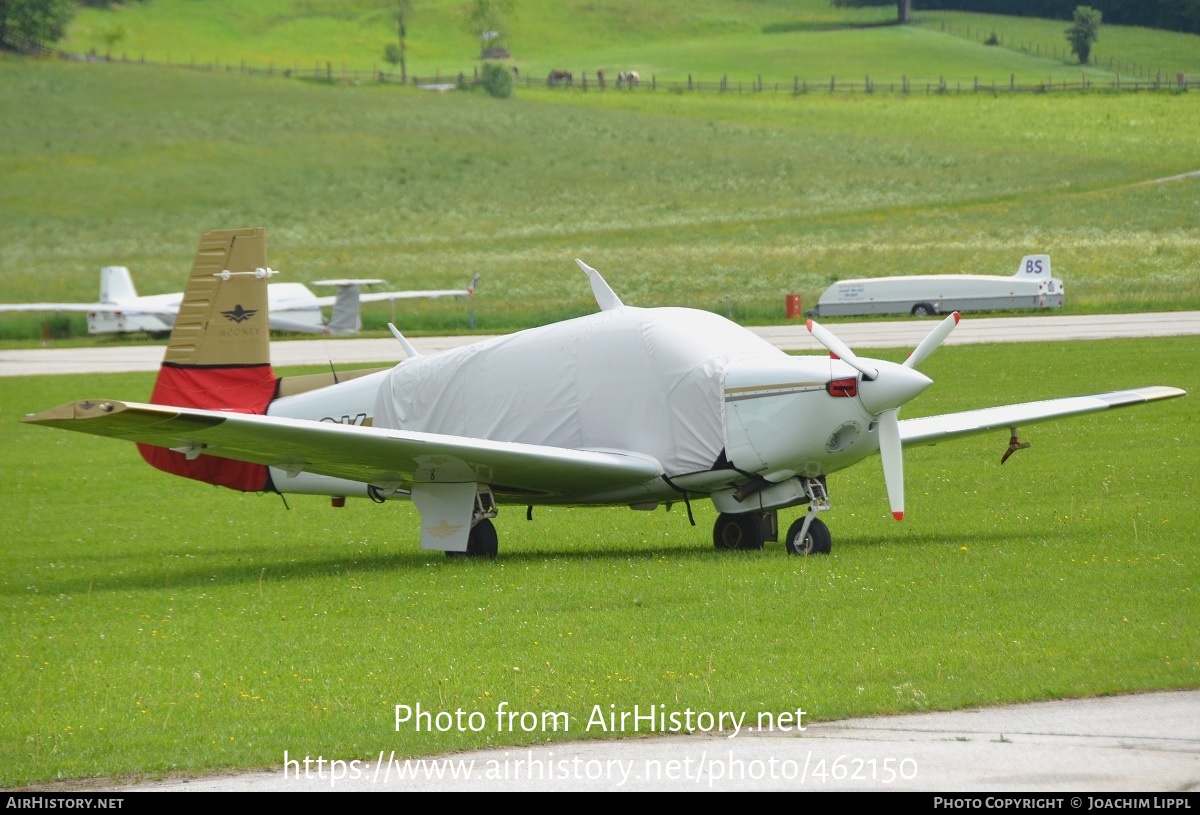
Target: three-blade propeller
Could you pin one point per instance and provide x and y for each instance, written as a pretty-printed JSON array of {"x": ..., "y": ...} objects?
[{"x": 884, "y": 389}]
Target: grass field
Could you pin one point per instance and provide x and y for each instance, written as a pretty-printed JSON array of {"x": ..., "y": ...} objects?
[
  {"x": 162, "y": 626},
  {"x": 715, "y": 202}
]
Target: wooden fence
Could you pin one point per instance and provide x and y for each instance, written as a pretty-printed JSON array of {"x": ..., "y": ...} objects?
[{"x": 324, "y": 71}]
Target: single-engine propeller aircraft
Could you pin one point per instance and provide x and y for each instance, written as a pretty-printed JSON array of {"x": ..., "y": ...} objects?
[
  {"x": 293, "y": 306},
  {"x": 629, "y": 406}
]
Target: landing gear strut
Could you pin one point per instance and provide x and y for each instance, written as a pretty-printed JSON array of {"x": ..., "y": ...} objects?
[{"x": 809, "y": 535}]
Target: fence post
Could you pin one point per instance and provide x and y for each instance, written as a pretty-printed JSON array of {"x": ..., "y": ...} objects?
[
  {"x": 904, "y": 83},
  {"x": 867, "y": 84},
  {"x": 795, "y": 84},
  {"x": 689, "y": 82},
  {"x": 1012, "y": 82},
  {"x": 724, "y": 82},
  {"x": 653, "y": 82},
  {"x": 832, "y": 83}
]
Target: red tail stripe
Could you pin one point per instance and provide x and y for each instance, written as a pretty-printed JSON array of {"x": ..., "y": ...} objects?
[{"x": 243, "y": 389}]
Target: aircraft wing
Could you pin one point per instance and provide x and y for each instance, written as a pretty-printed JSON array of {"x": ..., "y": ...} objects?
[
  {"x": 370, "y": 455},
  {"x": 379, "y": 296},
  {"x": 102, "y": 308},
  {"x": 167, "y": 315},
  {"x": 932, "y": 429},
  {"x": 281, "y": 323},
  {"x": 53, "y": 306}
]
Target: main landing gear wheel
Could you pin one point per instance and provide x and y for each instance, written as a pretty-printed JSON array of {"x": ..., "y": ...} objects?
[
  {"x": 742, "y": 531},
  {"x": 922, "y": 310},
  {"x": 482, "y": 541},
  {"x": 818, "y": 541}
]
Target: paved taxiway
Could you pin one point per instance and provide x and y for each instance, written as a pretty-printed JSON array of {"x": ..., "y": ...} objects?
[
  {"x": 1141, "y": 743},
  {"x": 874, "y": 334}
]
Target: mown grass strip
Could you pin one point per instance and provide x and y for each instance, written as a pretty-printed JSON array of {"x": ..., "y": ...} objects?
[{"x": 161, "y": 626}]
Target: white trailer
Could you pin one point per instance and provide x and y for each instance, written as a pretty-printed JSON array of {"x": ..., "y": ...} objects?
[{"x": 923, "y": 295}]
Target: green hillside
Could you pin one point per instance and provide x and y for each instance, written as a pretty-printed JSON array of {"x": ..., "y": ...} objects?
[
  {"x": 714, "y": 201},
  {"x": 779, "y": 39}
]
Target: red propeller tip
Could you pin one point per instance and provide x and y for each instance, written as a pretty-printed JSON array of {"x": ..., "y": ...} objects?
[
  {"x": 956, "y": 318},
  {"x": 899, "y": 516},
  {"x": 808, "y": 325}
]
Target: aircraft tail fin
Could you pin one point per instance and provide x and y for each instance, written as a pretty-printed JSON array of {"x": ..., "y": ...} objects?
[
  {"x": 347, "y": 316},
  {"x": 116, "y": 285},
  {"x": 219, "y": 354},
  {"x": 1034, "y": 266}
]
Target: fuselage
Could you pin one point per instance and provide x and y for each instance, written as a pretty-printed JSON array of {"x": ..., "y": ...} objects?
[{"x": 714, "y": 404}]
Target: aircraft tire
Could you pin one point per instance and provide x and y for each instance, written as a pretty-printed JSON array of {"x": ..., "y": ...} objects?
[
  {"x": 923, "y": 310},
  {"x": 482, "y": 541},
  {"x": 738, "y": 531},
  {"x": 817, "y": 542}
]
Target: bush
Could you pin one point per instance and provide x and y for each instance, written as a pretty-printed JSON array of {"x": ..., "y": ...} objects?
[{"x": 497, "y": 80}]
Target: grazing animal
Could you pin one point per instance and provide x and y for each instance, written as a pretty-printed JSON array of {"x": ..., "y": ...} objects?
[
  {"x": 560, "y": 78},
  {"x": 628, "y": 78}
]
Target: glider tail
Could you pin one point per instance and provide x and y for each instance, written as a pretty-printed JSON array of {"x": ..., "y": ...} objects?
[
  {"x": 1035, "y": 267},
  {"x": 116, "y": 285},
  {"x": 219, "y": 354}
]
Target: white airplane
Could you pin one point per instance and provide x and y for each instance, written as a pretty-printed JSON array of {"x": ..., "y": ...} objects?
[
  {"x": 628, "y": 406},
  {"x": 293, "y": 306}
]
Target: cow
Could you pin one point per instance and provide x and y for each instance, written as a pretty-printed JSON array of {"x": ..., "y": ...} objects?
[
  {"x": 560, "y": 77},
  {"x": 628, "y": 78}
]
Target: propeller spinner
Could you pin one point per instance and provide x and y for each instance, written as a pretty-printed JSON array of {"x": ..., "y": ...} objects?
[{"x": 886, "y": 387}]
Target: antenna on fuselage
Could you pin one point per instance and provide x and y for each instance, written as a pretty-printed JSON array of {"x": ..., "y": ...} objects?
[
  {"x": 408, "y": 349},
  {"x": 606, "y": 298}
]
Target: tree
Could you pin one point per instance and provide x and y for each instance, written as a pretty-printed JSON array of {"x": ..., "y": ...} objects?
[
  {"x": 400, "y": 13},
  {"x": 1083, "y": 32},
  {"x": 903, "y": 7},
  {"x": 488, "y": 21},
  {"x": 34, "y": 21},
  {"x": 393, "y": 55}
]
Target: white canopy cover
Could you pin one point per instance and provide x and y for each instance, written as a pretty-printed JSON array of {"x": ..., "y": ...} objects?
[{"x": 631, "y": 379}]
